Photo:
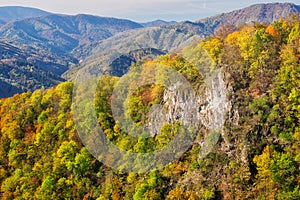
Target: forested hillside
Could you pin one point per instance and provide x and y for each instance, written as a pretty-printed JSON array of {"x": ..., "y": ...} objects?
[
  {"x": 255, "y": 156},
  {"x": 23, "y": 68}
]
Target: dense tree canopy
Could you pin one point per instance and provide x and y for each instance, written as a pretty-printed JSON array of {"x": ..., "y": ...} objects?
[{"x": 42, "y": 156}]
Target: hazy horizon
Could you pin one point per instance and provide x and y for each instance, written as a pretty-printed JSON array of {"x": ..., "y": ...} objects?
[{"x": 141, "y": 11}]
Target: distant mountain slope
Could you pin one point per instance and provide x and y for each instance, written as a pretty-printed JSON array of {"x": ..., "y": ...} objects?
[
  {"x": 113, "y": 63},
  {"x": 164, "y": 38},
  {"x": 167, "y": 37},
  {"x": 35, "y": 52},
  {"x": 23, "y": 68},
  {"x": 22, "y": 77},
  {"x": 8, "y": 90},
  {"x": 157, "y": 23},
  {"x": 55, "y": 43},
  {"x": 8, "y": 13},
  {"x": 62, "y": 33},
  {"x": 54, "y": 63},
  {"x": 121, "y": 65},
  {"x": 2, "y": 22},
  {"x": 255, "y": 13}
]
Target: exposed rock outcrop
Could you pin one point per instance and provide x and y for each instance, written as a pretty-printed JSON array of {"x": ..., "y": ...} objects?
[{"x": 206, "y": 112}]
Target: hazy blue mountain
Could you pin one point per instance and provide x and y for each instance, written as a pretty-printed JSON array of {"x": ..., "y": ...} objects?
[
  {"x": 158, "y": 23},
  {"x": 63, "y": 33},
  {"x": 9, "y": 13}
]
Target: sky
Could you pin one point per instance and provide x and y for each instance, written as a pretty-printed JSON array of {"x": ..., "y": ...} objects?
[{"x": 141, "y": 10}]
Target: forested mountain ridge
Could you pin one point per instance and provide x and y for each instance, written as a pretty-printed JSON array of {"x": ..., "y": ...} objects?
[
  {"x": 157, "y": 22},
  {"x": 63, "y": 33},
  {"x": 256, "y": 13},
  {"x": 98, "y": 56},
  {"x": 115, "y": 65},
  {"x": 255, "y": 156},
  {"x": 11, "y": 13},
  {"x": 121, "y": 65}
]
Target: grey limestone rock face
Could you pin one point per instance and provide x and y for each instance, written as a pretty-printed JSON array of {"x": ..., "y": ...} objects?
[{"x": 206, "y": 109}]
